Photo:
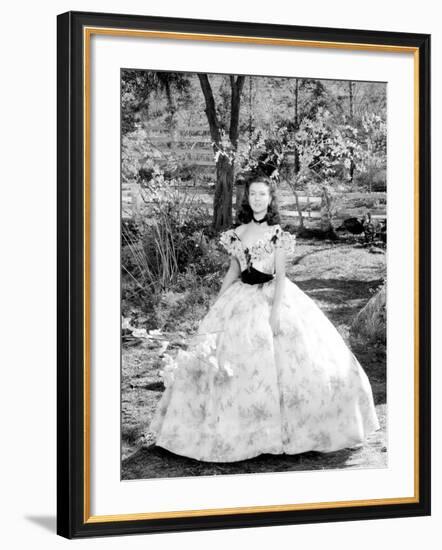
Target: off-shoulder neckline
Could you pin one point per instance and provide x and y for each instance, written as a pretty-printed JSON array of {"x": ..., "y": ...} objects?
[{"x": 269, "y": 231}]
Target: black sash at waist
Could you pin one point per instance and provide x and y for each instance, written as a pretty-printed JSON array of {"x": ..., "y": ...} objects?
[{"x": 252, "y": 276}]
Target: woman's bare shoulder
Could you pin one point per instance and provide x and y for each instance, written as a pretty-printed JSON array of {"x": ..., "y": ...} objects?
[{"x": 240, "y": 229}]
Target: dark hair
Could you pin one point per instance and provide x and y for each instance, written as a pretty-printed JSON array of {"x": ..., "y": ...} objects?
[{"x": 245, "y": 213}]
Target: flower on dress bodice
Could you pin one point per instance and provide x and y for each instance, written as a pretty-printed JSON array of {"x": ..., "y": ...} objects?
[{"x": 273, "y": 238}]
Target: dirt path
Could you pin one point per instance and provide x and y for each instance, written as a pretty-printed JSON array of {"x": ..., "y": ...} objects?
[{"x": 341, "y": 279}]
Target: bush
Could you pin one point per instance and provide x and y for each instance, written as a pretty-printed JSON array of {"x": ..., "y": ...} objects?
[
  {"x": 369, "y": 325},
  {"x": 374, "y": 179},
  {"x": 186, "y": 312},
  {"x": 139, "y": 302},
  {"x": 168, "y": 248},
  {"x": 170, "y": 255},
  {"x": 182, "y": 305},
  {"x": 168, "y": 238}
]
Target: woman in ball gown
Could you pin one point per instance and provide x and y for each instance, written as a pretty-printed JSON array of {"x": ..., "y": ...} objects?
[{"x": 267, "y": 372}]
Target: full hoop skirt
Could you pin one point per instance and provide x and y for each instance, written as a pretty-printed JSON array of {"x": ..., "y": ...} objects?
[{"x": 238, "y": 391}]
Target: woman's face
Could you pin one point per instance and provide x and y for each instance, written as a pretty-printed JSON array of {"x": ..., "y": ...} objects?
[{"x": 259, "y": 197}]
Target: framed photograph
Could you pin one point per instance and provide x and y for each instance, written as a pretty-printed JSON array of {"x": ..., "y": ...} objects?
[{"x": 243, "y": 274}]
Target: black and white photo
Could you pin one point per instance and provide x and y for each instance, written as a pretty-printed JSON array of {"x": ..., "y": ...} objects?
[{"x": 253, "y": 269}]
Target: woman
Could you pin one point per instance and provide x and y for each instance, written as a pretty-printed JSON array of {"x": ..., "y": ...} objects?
[{"x": 267, "y": 372}]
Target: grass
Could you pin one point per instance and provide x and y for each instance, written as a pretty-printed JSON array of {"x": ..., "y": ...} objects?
[{"x": 341, "y": 278}]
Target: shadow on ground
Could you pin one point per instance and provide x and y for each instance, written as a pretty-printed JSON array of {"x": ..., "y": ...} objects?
[
  {"x": 339, "y": 299},
  {"x": 154, "y": 461}
]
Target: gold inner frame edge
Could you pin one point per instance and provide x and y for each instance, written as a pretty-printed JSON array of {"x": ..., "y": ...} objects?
[{"x": 87, "y": 33}]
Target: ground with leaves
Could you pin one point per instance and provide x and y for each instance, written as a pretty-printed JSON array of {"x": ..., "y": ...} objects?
[{"x": 341, "y": 278}]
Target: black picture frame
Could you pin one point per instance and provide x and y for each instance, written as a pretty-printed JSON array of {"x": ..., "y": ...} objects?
[{"x": 73, "y": 515}]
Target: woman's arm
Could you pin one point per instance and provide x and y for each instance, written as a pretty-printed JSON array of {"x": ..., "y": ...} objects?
[
  {"x": 279, "y": 287},
  {"x": 232, "y": 274}
]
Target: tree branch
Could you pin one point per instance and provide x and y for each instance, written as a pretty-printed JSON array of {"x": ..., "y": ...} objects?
[
  {"x": 237, "y": 87},
  {"x": 210, "y": 109}
]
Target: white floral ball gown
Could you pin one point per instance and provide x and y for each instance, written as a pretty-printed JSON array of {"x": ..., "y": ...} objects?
[{"x": 239, "y": 391}]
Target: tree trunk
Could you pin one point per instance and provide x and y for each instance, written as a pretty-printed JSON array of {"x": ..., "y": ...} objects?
[
  {"x": 350, "y": 97},
  {"x": 250, "y": 109},
  {"x": 326, "y": 214},
  {"x": 298, "y": 208},
  {"x": 352, "y": 164},
  {"x": 222, "y": 201},
  {"x": 296, "y": 163},
  {"x": 235, "y": 102},
  {"x": 292, "y": 182},
  {"x": 172, "y": 107},
  {"x": 210, "y": 109},
  {"x": 351, "y": 170}
]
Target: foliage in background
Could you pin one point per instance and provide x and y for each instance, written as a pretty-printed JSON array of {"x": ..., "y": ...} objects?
[
  {"x": 168, "y": 249},
  {"x": 326, "y": 155},
  {"x": 319, "y": 137},
  {"x": 229, "y": 113}
]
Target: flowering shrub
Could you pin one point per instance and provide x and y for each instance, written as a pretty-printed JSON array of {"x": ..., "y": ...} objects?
[{"x": 169, "y": 249}]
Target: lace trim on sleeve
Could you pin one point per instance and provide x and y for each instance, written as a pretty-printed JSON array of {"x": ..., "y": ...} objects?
[
  {"x": 283, "y": 239},
  {"x": 229, "y": 240}
]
